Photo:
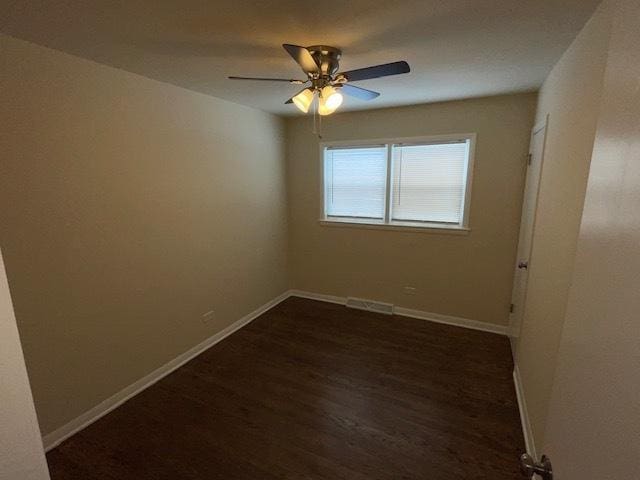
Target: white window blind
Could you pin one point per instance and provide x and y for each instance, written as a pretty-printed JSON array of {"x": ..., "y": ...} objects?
[
  {"x": 421, "y": 182},
  {"x": 429, "y": 182},
  {"x": 355, "y": 182}
]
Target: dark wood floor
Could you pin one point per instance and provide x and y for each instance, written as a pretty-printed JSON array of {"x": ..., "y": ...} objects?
[{"x": 312, "y": 390}]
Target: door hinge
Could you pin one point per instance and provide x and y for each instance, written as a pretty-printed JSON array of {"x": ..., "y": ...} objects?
[
  {"x": 511, "y": 307},
  {"x": 529, "y": 159}
]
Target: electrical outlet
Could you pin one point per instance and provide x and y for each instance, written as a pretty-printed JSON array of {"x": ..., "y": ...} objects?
[
  {"x": 208, "y": 317},
  {"x": 409, "y": 290}
]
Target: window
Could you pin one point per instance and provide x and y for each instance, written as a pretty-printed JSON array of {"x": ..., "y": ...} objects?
[
  {"x": 412, "y": 182},
  {"x": 356, "y": 182}
]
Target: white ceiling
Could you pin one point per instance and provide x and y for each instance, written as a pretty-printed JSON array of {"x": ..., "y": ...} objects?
[{"x": 456, "y": 48}]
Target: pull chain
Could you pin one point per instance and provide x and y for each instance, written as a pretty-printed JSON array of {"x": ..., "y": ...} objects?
[
  {"x": 317, "y": 118},
  {"x": 313, "y": 105}
]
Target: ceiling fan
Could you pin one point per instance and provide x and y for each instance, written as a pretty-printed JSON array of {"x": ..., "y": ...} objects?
[{"x": 321, "y": 64}]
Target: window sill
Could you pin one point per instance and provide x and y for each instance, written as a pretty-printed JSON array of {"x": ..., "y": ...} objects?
[{"x": 404, "y": 227}]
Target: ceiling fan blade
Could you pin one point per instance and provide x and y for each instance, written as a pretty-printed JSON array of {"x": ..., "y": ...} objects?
[
  {"x": 361, "y": 93},
  {"x": 260, "y": 79},
  {"x": 303, "y": 57},
  {"x": 395, "y": 68}
]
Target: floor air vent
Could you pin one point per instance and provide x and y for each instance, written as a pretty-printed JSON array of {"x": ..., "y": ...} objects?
[{"x": 361, "y": 304}]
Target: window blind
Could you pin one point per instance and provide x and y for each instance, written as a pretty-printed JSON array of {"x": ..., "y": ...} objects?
[
  {"x": 355, "y": 182},
  {"x": 429, "y": 182}
]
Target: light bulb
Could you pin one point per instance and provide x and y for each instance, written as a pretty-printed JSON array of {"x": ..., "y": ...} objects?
[
  {"x": 303, "y": 100},
  {"x": 330, "y": 99}
]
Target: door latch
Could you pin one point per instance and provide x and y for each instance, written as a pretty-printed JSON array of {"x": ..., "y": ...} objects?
[{"x": 529, "y": 467}]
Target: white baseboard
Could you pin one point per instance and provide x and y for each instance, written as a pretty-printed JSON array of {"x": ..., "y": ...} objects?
[
  {"x": 524, "y": 414},
  {"x": 449, "y": 320},
  {"x": 419, "y": 314},
  {"x": 318, "y": 296},
  {"x": 56, "y": 437}
]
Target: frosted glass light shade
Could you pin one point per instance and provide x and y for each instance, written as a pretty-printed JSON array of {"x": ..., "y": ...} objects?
[
  {"x": 330, "y": 100},
  {"x": 303, "y": 100}
]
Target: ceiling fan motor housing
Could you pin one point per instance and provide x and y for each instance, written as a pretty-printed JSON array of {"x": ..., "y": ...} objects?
[{"x": 327, "y": 58}]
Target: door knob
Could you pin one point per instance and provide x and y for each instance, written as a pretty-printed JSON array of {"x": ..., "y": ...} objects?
[
  {"x": 524, "y": 265},
  {"x": 528, "y": 466}
]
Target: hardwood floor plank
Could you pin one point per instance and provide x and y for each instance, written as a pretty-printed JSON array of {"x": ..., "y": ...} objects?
[{"x": 312, "y": 390}]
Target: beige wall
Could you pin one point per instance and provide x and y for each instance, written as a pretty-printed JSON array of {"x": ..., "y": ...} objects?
[
  {"x": 465, "y": 276},
  {"x": 129, "y": 208},
  {"x": 570, "y": 96}
]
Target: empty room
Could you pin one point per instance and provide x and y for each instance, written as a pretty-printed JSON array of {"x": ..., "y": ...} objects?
[{"x": 362, "y": 240}]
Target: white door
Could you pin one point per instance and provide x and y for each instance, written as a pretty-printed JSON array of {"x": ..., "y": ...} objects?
[
  {"x": 529, "y": 202},
  {"x": 593, "y": 427},
  {"x": 21, "y": 453}
]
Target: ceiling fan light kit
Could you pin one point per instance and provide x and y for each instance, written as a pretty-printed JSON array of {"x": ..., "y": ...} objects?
[{"x": 321, "y": 64}]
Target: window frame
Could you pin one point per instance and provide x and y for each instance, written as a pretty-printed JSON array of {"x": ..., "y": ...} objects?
[{"x": 386, "y": 223}]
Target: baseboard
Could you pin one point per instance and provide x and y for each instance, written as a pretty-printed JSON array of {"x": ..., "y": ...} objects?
[
  {"x": 524, "y": 414},
  {"x": 56, "y": 437},
  {"x": 450, "y": 320},
  {"x": 419, "y": 314},
  {"x": 318, "y": 296}
]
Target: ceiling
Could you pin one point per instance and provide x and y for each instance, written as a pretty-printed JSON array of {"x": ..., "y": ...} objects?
[{"x": 456, "y": 48}]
